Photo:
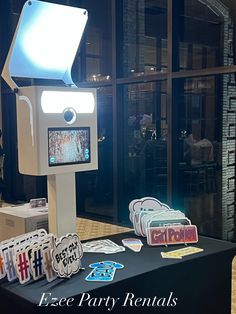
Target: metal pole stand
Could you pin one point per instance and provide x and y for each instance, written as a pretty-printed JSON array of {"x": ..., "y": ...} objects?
[{"x": 61, "y": 203}]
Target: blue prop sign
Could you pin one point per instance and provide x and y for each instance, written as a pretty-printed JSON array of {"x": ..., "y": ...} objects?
[{"x": 103, "y": 271}]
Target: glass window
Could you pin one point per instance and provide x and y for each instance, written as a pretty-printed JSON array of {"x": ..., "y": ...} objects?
[
  {"x": 204, "y": 161},
  {"x": 143, "y": 46},
  {"x": 95, "y": 52},
  {"x": 203, "y": 34},
  {"x": 95, "y": 188},
  {"x": 144, "y": 144}
]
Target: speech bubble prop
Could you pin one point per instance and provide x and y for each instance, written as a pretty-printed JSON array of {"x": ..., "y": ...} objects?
[
  {"x": 144, "y": 206},
  {"x": 66, "y": 255}
]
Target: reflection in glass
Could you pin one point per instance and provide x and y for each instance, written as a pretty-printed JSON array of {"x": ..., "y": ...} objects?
[
  {"x": 144, "y": 33},
  {"x": 203, "y": 34},
  {"x": 205, "y": 159},
  {"x": 95, "y": 188},
  {"x": 95, "y": 53},
  {"x": 145, "y": 152}
]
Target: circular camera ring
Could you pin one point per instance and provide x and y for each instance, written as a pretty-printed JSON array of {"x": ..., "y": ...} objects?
[{"x": 69, "y": 115}]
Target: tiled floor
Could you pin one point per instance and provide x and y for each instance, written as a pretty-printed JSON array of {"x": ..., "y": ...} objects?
[{"x": 89, "y": 229}]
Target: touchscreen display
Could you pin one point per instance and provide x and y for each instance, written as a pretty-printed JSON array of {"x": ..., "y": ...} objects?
[{"x": 68, "y": 146}]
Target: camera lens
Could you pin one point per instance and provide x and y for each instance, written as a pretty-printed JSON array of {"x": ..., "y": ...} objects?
[{"x": 69, "y": 115}]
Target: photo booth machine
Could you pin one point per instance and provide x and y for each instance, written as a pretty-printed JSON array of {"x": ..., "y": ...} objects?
[{"x": 56, "y": 126}]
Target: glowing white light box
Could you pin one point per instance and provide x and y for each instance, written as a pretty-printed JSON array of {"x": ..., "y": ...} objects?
[
  {"x": 57, "y": 101},
  {"x": 45, "y": 42}
]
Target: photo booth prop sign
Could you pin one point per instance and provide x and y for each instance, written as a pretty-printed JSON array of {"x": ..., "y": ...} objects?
[
  {"x": 180, "y": 253},
  {"x": 161, "y": 224},
  {"x": 103, "y": 271},
  {"x": 47, "y": 264},
  {"x": 175, "y": 234},
  {"x": 102, "y": 246},
  {"x": 38, "y": 254},
  {"x": 66, "y": 255},
  {"x": 133, "y": 244},
  {"x": 15, "y": 254}
]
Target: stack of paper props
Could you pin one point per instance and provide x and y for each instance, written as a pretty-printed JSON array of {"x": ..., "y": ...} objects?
[
  {"x": 27, "y": 255},
  {"x": 36, "y": 254},
  {"x": 161, "y": 224},
  {"x": 102, "y": 246}
]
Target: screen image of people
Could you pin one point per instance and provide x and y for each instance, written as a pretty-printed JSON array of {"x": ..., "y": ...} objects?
[{"x": 68, "y": 146}]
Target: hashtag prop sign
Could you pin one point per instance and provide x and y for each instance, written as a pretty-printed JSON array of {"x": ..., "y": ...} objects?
[
  {"x": 36, "y": 263},
  {"x": 22, "y": 266},
  {"x": 15, "y": 256},
  {"x": 2, "y": 267},
  {"x": 9, "y": 264},
  {"x": 47, "y": 264}
]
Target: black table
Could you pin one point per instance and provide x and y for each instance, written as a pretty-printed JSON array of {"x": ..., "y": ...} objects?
[{"x": 200, "y": 282}]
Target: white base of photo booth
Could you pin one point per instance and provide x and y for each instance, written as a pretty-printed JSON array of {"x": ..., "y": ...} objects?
[{"x": 61, "y": 203}]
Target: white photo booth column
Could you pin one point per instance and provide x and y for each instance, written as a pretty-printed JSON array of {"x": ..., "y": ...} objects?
[{"x": 56, "y": 126}]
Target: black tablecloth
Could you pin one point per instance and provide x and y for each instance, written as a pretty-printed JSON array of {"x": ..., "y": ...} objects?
[{"x": 200, "y": 282}]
